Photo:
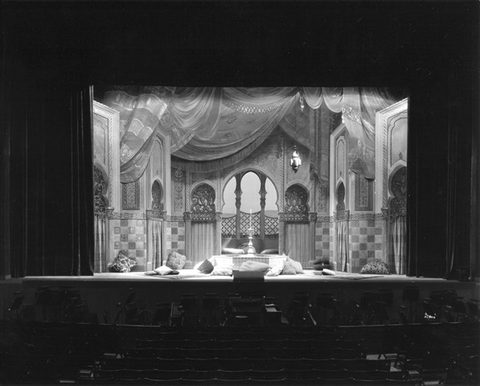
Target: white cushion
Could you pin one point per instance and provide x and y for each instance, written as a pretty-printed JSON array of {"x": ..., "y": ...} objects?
[
  {"x": 163, "y": 270},
  {"x": 222, "y": 271}
]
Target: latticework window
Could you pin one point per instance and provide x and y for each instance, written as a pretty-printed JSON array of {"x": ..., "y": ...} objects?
[
  {"x": 229, "y": 227},
  {"x": 248, "y": 220},
  {"x": 271, "y": 227}
]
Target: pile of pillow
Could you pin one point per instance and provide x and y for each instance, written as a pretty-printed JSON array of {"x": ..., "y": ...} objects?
[
  {"x": 321, "y": 263},
  {"x": 122, "y": 263},
  {"x": 163, "y": 271},
  {"x": 375, "y": 267},
  {"x": 176, "y": 260},
  {"x": 286, "y": 266}
]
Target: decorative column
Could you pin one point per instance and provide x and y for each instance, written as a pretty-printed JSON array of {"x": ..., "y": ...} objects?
[
  {"x": 111, "y": 245},
  {"x": 263, "y": 193},
  {"x": 312, "y": 219},
  {"x": 187, "y": 216},
  {"x": 238, "y": 204},
  {"x": 168, "y": 175},
  {"x": 281, "y": 232},
  {"x": 218, "y": 234}
]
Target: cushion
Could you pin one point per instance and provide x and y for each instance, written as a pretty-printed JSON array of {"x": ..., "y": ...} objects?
[
  {"x": 176, "y": 260},
  {"x": 163, "y": 270},
  {"x": 222, "y": 271},
  {"x": 269, "y": 252},
  {"x": 296, "y": 264},
  {"x": 276, "y": 262},
  {"x": 232, "y": 251},
  {"x": 205, "y": 267},
  {"x": 321, "y": 266},
  {"x": 321, "y": 260},
  {"x": 275, "y": 270},
  {"x": 288, "y": 268},
  {"x": 122, "y": 263},
  {"x": 375, "y": 267},
  {"x": 254, "y": 266}
]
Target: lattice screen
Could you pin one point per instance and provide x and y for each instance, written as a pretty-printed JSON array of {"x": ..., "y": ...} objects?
[
  {"x": 271, "y": 227},
  {"x": 229, "y": 227}
]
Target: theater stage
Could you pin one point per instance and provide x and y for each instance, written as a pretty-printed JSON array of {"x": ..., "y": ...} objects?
[{"x": 102, "y": 292}]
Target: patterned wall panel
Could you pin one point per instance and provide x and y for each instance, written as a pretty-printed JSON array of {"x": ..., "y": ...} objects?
[
  {"x": 363, "y": 193},
  {"x": 131, "y": 196},
  {"x": 175, "y": 232},
  {"x": 366, "y": 240},
  {"x": 178, "y": 190},
  {"x": 130, "y": 235}
]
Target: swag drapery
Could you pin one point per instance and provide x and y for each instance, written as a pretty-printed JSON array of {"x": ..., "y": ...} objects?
[{"x": 217, "y": 127}]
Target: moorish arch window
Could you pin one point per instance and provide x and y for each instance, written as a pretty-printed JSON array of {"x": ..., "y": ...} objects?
[
  {"x": 157, "y": 195},
  {"x": 203, "y": 202},
  {"x": 250, "y": 200},
  {"x": 296, "y": 202}
]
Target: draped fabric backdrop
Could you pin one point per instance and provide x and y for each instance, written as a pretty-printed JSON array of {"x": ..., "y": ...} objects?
[
  {"x": 217, "y": 127},
  {"x": 203, "y": 238},
  {"x": 155, "y": 242},
  {"x": 100, "y": 243},
  {"x": 297, "y": 242},
  {"x": 398, "y": 237},
  {"x": 342, "y": 246}
]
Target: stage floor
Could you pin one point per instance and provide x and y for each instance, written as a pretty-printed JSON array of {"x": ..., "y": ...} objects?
[{"x": 103, "y": 291}]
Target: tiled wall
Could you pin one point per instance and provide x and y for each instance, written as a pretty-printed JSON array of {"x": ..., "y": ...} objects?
[
  {"x": 176, "y": 236},
  {"x": 130, "y": 235},
  {"x": 366, "y": 239},
  {"x": 365, "y": 243},
  {"x": 323, "y": 240}
]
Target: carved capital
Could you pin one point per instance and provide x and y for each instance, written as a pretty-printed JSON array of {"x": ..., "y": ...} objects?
[
  {"x": 342, "y": 215},
  {"x": 156, "y": 214}
]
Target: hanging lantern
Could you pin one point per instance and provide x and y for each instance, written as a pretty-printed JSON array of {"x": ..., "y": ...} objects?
[{"x": 295, "y": 161}]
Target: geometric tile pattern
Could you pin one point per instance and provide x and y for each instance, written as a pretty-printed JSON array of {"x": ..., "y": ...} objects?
[
  {"x": 366, "y": 239},
  {"x": 175, "y": 232},
  {"x": 366, "y": 242},
  {"x": 323, "y": 240},
  {"x": 130, "y": 235}
]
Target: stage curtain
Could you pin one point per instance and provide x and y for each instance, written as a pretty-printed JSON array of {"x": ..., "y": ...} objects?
[
  {"x": 100, "y": 243},
  {"x": 155, "y": 242},
  {"x": 297, "y": 242},
  {"x": 342, "y": 246},
  {"x": 203, "y": 240},
  {"x": 398, "y": 238},
  {"x": 52, "y": 218}
]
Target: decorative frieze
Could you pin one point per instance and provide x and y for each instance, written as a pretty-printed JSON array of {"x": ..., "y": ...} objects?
[
  {"x": 342, "y": 215},
  {"x": 293, "y": 217},
  {"x": 178, "y": 186},
  {"x": 156, "y": 214},
  {"x": 126, "y": 216}
]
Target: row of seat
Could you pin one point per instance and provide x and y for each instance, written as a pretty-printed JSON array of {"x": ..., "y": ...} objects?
[
  {"x": 121, "y": 374},
  {"x": 253, "y": 381},
  {"x": 244, "y": 364},
  {"x": 287, "y": 343}
]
